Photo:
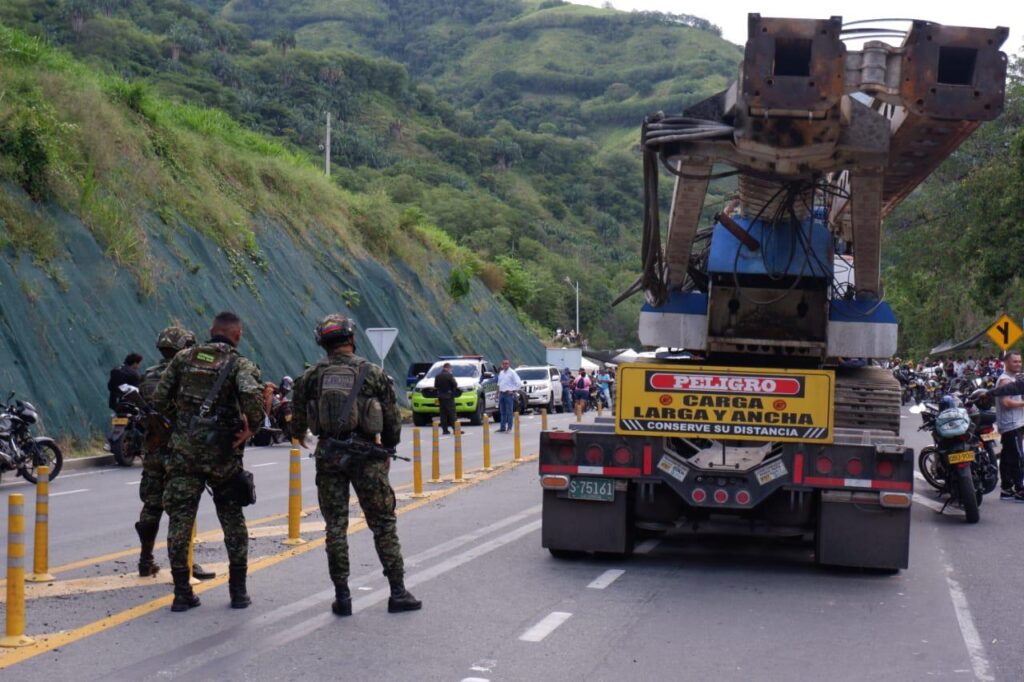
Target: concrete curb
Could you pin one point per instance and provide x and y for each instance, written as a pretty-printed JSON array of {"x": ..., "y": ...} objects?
[{"x": 88, "y": 462}]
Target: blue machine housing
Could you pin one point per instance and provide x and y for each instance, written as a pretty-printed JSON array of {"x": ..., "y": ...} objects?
[{"x": 786, "y": 249}]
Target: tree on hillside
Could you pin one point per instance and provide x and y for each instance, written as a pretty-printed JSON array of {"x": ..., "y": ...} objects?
[
  {"x": 185, "y": 37},
  {"x": 284, "y": 41},
  {"x": 77, "y": 12}
]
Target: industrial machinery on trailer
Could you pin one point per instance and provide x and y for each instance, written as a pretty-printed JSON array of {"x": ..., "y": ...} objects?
[{"x": 774, "y": 421}]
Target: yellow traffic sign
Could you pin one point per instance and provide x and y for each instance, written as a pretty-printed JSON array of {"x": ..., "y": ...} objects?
[{"x": 1005, "y": 332}]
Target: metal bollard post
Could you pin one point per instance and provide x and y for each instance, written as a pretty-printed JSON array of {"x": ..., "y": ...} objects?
[
  {"x": 435, "y": 455},
  {"x": 517, "y": 447},
  {"x": 417, "y": 465},
  {"x": 487, "y": 443},
  {"x": 294, "y": 498},
  {"x": 543, "y": 419},
  {"x": 457, "y": 478},
  {"x": 15, "y": 573},
  {"x": 191, "y": 562},
  {"x": 41, "y": 546}
]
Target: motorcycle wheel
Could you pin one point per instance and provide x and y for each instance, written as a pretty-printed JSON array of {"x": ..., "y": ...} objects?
[
  {"x": 968, "y": 496},
  {"x": 50, "y": 455},
  {"x": 118, "y": 448},
  {"x": 930, "y": 466}
]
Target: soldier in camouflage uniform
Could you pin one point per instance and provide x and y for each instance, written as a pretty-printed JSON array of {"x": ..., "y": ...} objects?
[
  {"x": 154, "y": 473},
  {"x": 376, "y": 417},
  {"x": 207, "y": 449}
]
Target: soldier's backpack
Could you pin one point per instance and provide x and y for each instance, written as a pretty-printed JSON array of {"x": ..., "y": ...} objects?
[{"x": 340, "y": 409}]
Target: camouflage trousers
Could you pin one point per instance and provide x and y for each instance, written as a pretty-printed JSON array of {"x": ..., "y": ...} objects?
[
  {"x": 377, "y": 499},
  {"x": 151, "y": 489},
  {"x": 185, "y": 485}
]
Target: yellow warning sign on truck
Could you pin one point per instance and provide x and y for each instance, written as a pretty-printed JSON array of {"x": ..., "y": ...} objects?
[{"x": 732, "y": 403}]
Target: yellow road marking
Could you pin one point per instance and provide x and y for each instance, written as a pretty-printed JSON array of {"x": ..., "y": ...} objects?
[
  {"x": 205, "y": 536},
  {"x": 50, "y": 642}
]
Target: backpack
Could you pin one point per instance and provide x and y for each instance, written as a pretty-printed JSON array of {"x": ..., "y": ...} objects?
[
  {"x": 327, "y": 414},
  {"x": 581, "y": 384},
  {"x": 150, "y": 380},
  {"x": 204, "y": 364}
]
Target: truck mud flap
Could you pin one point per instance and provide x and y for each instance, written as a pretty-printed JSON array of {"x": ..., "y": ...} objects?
[
  {"x": 584, "y": 526},
  {"x": 853, "y": 532}
]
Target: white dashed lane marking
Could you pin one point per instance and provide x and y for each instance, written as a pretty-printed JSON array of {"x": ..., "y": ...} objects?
[
  {"x": 646, "y": 546},
  {"x": 605, "y": 579},
  {"x": 544, "y": 628},
  {"x": 69, "y": 492}
]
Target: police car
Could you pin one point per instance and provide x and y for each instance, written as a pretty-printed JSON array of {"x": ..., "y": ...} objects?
[{"x": 477, "y": 379}]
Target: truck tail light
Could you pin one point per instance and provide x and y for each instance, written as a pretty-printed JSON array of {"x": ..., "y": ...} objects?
[
  {"x": 885, "y": 468},
  {"x": 554, "y": 482},
  {"x": 699, "y": 495},
  {"x": 742, "y": 497},
  {"x": 622, "y": 456},
  {"x": 854, "y": 466},
  {"x": 566, "y": 453},
  {"x": 559, "y": 435},
  {"x": 823, "y": 465},
  {"x": 896, "y": 500},
  {"x": 721, "y": 496},
  {"x": 595, "y": 455}
]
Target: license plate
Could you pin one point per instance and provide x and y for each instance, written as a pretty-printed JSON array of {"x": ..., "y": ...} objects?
[
  {"x": 596, "y": 489},
  {"x": 990, "y": 436},
  {"x": 770, "y": 472},
  {"x": 960, "y": 457},
  {"x": 119, "y": 421}
]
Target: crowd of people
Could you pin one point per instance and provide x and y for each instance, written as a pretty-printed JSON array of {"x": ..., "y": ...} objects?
[{"x": 584, "y": 391}]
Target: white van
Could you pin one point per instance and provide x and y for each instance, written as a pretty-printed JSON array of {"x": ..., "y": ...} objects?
[{"x": 543, "y": 387}]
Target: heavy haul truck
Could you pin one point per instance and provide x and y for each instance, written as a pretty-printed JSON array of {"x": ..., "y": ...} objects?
[{"x": 771, "y": 419}]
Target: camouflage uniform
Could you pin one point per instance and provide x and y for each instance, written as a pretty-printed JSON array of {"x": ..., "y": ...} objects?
[
  {"x": 154, "y": 473},
  {"x": 368, "y": 477},
  {"x": 191, "y": 465}
]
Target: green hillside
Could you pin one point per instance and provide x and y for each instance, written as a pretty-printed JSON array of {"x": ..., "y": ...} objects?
[{"x": 122, "y": 211}]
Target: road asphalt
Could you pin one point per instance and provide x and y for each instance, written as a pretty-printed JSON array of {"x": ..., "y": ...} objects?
[{"x": 499, "y": 607}]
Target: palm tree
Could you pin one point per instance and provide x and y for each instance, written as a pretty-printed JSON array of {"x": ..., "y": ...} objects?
[{"x": 284, "y": 40}]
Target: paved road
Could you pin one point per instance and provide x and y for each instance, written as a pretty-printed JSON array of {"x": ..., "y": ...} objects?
[{"x": 497, "y": 607}]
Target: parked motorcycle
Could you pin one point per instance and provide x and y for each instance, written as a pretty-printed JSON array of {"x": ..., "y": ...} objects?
[
  {"x": 128, "y": 427},
  {"x": 962, "y": 462},
  {"x": 274, "y": 428},
  {"x": 19, "y": 451}
]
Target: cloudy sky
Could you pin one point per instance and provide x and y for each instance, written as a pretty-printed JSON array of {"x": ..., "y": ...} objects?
[{"x": 733, "y": 18}]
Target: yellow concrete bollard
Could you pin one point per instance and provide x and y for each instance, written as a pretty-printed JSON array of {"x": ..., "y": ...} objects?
[
  {"x": 41, "y": 546},
  {"x": 15, "y": 573},
  {"x": 191, "y": 562},
  {"x": 487, "y": 443},
  {"x": 294, "y": 498},
  {"x": 417, "y": 465},
  {"x": 579, "y": 411},
  {"x": 296, "y": 443},
  {"x": 517, "y": 445},
  {"x": 458, "y": 453},
  {"x": 543, "y": 419},
  {"x": 435, "y": 454}
]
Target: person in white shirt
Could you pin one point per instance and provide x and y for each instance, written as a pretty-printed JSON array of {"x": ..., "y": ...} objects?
[{"x": 509, "y": 384}]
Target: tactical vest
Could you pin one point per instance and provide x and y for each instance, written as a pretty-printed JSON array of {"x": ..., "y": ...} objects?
[
  {"x": 332, "y": 384},
  {"x": 151, "y": 379},
  {"x": 198, "y": 378}
]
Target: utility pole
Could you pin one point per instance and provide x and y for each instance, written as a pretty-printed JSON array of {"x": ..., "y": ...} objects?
[
  {"x": 327, "y": 148},
  {"x": 577, "y": 288}
]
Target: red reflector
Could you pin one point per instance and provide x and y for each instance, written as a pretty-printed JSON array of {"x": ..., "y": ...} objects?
[
  {"x": 595, "y": 455},
  {"x": 566, "y": 453},
  {"x": 622, "y": 456},
  {"x": 855, "y": 467},
  {"x": 743, "y": 497},
  {"x": 721, "y": 497},
  {"x": 823, "y": 465},
  {"x": 699, "y": 495},
  {"x": 559, "y": 435},
  {"x": 884, "y": 468}
]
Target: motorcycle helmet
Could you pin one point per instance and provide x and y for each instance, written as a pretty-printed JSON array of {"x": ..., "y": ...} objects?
[
  {"x": 334, "y": 329},
  {"x": 286, "y": 384},
  {"x": 175, "y": 339},
  {"x": 948, "y": 402}
]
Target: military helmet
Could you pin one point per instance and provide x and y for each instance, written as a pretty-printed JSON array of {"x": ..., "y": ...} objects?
[
  {"x": 175, "y": 338},
  {"x": 333, "y": 329}
]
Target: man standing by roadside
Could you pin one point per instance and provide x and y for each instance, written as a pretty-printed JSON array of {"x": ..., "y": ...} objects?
[
  {"x": 447, "y": 388},
  {"x": 213, "y": 395},
  {"x": 509, "y": 384},
  {"x": 1010, "y": 422},
  {"x": 154, "y": 471},
  {"x": 350, "y": 405},
  {"x": 566, "y": 380}
]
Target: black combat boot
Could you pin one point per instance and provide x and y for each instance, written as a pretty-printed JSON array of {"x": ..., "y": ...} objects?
[
  {"x": 401, "y": 599},
  {"x": 184, "y": 597},
  {"x": 236, "y": 586},
  {"x": 200, "y": 573},
  {"x": 342, "y": 604},
  {"x": 147, "y": 538}
]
